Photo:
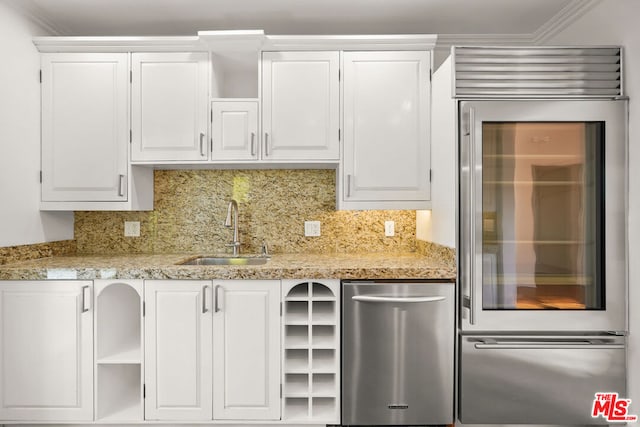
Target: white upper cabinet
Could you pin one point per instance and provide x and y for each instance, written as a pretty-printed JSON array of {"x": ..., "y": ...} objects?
[
  {"x": 169, "y": 105},
  {"x": 84, "y": 127},
  {"x": 178, "y": 357},
  {"x": 234, "y": 130},
  {"x": 386, "y": 130},
  {"x": 300, "y": 105},
  {"x": 46, "y": 351},
  {"x": 246, "y": 350}
]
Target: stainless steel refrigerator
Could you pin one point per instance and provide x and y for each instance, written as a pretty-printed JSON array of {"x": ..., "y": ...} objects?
[{"x": 542, "y": 238}]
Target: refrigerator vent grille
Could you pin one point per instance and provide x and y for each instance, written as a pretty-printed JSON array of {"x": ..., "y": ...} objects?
[{"x": 537, "y": 72}]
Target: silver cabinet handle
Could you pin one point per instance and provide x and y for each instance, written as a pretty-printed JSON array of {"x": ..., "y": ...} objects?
[
  {"x": 253, "y": 144},
  {"x": 266, "y": 144},
  {"x": 367, "y": 298},
  {"x": 202, "y": 152},
  {"x": 548, "y": 346},
  {"x": 121, "y": 186},
  {"x": 86, "y": 301},
  {"x": 216, "y": 307},
  {"x": 349, "y": 185},
  {"x": 205, "y": 306}
]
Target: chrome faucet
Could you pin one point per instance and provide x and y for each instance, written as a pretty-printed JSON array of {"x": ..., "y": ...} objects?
[{"x": 233, "y": 208}]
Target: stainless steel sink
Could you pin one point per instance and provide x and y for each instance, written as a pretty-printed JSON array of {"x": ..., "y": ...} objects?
[{"x": 222, "y": 260}]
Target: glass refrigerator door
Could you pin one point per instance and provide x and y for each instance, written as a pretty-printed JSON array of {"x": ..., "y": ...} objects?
[{"x": 542, "y": 215}]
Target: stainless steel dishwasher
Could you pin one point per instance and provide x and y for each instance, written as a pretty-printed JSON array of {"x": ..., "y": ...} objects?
[{"x": 397, "y": 353}]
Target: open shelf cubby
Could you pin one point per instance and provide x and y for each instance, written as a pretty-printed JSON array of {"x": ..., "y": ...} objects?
[
  {"x": 119, "y": 324},
  {"x": 311, "y": 363},
  {"x": 297, "y": 336},
  {"x": 296, "y": 313},
  {"x": 118, "y": 350},
  {"x": 297, "y": 384},
  {"x": 323, "y": 385},
  {"x": 119, "y": 392},
  {"x": 323, "y": 312},
  {"x": 322, "y": 336}
]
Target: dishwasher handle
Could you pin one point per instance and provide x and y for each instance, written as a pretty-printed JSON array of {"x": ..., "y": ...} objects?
[{"x": 370, "y": 298}]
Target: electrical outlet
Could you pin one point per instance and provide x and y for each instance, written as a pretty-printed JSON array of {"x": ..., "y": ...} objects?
[
  {"x": 389, "y": 228},
  {"x": 312, "y": 228},
  {"x": 132, "y": 228}
]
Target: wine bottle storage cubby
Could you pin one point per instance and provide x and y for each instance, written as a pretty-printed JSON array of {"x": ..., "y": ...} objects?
[
  {"x": 118, "y": 351},
  {"x": 311, "y": 351}
]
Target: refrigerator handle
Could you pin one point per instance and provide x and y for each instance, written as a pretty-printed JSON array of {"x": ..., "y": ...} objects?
[
  {"x": 467, "y": 224},
  {"x": 548, "y": 346}
]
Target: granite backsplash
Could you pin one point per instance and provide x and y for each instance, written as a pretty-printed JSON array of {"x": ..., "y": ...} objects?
[
  {"x": 190, "y": 207},
  {"x": 36, "y": 251}
]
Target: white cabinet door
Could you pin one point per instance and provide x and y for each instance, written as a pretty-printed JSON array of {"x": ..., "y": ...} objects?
[
  {"x": 169, "y": 101},
  {"x": 300, "y": 105},
  {"x": 246, "y": 350},
  {"x": 386, "y": 123},
  {"x": 234, "y": 130},
  {"x": 84, "y": 127},
  {"x": 178, "y": 356},
  {"x": 46, "y": 351}
]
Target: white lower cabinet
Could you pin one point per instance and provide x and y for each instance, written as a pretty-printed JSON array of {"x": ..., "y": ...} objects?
[
  {"x": 246, "y": 350},
  {"x": 46, "y": 351},
  {"x": 212, "y": 350},
  {"x": 170, "y": 350},
  {"x": 178, "y": 350}
]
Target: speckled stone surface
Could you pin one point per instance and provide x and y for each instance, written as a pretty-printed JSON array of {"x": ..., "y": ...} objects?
[
  {"x": 40, "y": 250},
  {"x": 190, "y": 208},
  {"x": 284, "y": 266},
  {"x": 435, "y": 251}
]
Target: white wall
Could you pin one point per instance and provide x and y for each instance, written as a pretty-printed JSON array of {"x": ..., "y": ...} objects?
[
  {"x": 615, "y": 22},
  {"x": 21, "y": 221}
]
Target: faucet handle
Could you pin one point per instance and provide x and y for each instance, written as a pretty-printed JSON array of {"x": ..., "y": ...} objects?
[{"x": 265, "y": 250}]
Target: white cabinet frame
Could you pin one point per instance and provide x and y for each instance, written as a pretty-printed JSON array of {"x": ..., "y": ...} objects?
[
  {"x": 386, "y": 149},
  {"x": 46, "y": 351},
  {"x": 85, "y": 120},
  {"x": 300, "y": 106},
  {"x": 169, "y": 106},
  {"x": 246, "y": 350},
  {"x": 234, "y": 129}
]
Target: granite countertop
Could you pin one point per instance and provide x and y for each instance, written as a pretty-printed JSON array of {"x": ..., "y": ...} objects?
[{"x": 281, "y": 266}]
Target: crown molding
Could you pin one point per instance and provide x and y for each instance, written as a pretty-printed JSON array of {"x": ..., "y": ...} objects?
[
  {"x": 562, "y": 20},
  {"x": 445, "y": 41},
  {"x": 556, "y": 24},
  {"x": 33, "y": 14}
]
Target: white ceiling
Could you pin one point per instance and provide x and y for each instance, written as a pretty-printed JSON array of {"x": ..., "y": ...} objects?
[{"x": 465, "y": 18}]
